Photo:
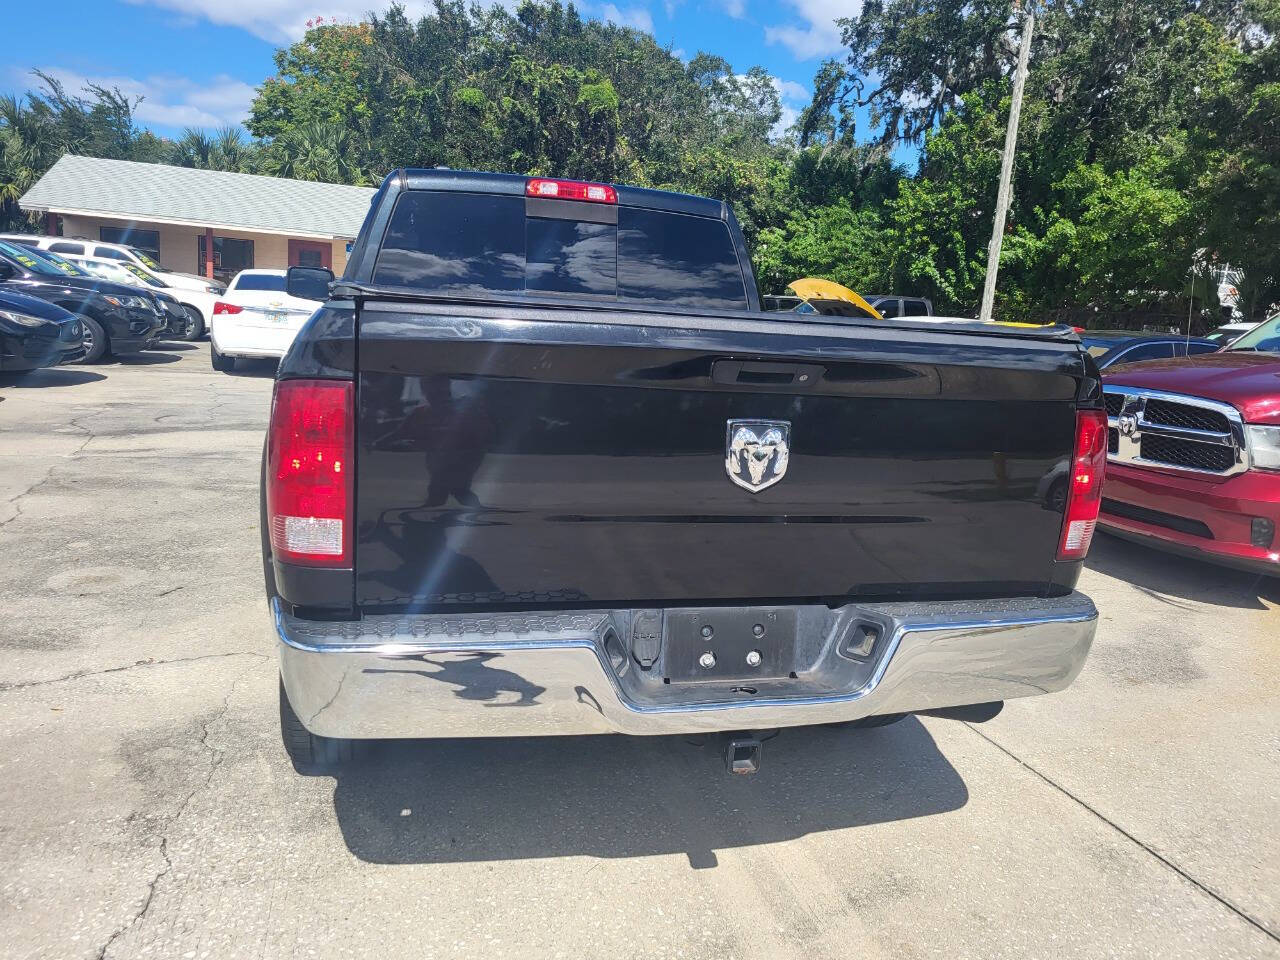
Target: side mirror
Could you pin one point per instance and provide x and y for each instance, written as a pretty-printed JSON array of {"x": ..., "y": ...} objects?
[{"x": 309, "y": 283}]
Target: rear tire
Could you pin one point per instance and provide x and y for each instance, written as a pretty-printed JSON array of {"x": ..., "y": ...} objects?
[
  {"x": 311, "y": 754},
  {"x": 95, "y": 339},
  {"x": 195, "y": 324},
  {"x": 220, "y": 361}
]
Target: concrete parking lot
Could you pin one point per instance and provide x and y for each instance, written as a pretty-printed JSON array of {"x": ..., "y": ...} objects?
[{"x": 147, "y": 809}]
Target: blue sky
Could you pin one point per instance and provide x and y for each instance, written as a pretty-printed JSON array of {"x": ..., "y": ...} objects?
[{"x": 196, "y": 62}]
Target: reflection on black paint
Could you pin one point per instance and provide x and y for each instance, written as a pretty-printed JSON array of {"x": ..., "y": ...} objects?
[
  {"x": 454, "y": 242},
  {"x": 669, "y": 257},
  {"x": 568, "y": 256}
]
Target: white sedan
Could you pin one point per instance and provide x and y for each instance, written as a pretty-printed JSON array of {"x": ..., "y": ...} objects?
[{"x": 255, "y": 318}]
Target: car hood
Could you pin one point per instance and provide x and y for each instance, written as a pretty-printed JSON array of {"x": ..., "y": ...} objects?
[
  {"x": 32, "y": 306},
  {"x": 1248, "y": 381},
  {"x": 92, "y": 284}
]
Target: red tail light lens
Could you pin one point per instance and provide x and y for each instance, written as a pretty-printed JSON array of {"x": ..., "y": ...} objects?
[
  {"x": 220, "y": 307},
  {"x": 310, "y": 447},
  {"x": 1084, "y": 485},
  {"x": 570, "y": 190}
]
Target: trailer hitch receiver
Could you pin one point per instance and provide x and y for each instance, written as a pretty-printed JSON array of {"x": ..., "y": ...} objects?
[{"x": 742, "y": 754}]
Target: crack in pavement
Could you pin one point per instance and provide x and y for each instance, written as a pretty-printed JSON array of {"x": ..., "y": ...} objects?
[
  {"x": 1198, "y": 884},
  {"x": 81, "y": 674},
  {"x": 15, "y": 500},
  {"x": 216, "y": 758}
]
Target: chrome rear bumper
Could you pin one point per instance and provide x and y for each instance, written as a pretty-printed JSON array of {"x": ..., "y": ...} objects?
[{"x": 490, "y": 675}]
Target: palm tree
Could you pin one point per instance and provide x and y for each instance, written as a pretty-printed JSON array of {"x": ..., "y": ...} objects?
[
  {"x": 315, "y": 151},
  {"x": 232, "y": 150},
  {"x": 193, "y": 149},
  {"x": 30, "y": 142}
]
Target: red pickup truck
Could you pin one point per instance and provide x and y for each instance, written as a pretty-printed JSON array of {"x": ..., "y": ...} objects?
[{"x": 1194, "y": 453}]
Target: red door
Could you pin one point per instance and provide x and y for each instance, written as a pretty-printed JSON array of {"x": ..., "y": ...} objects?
[{"x": 310, "y": 253}]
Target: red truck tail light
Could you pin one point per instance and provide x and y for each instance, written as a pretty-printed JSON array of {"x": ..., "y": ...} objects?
[
  {"x": 310, "y": 447},
  {"x": 220, "y": 307},
  {"x": 1084, "y": 484},
  {"x": 570, "y": 190}
]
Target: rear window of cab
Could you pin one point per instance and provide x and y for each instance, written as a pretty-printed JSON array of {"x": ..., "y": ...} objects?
[{"x": 473, "y": 244}]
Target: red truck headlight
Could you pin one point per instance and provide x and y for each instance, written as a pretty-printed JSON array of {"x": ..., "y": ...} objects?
[
  {"x": 1084, "y": 485},
  {"x": 1264, "y": 446},
  {"x": 310, "y": 447}
]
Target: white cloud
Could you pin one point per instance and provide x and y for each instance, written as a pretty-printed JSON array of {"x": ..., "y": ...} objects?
[
  {"x": 637, "y": 17},
  {"x": 276, "y": 21},
  {"x": 819, "y": 36},
  {"x": 284, "y": 21},
  {"x": 795, "y": 97},
  {"x": 168, "y": 101},
  {"x": 735, "y": 8},
  {"x": 790, "y": 90}
]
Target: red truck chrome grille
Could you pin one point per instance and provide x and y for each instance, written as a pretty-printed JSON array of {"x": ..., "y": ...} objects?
[
  {"x": 1151, "y": 428},
  {"x": 1173, "y": 414}
]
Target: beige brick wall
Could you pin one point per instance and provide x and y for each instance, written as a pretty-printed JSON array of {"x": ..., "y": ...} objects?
[{"x": 179, "y": 246}]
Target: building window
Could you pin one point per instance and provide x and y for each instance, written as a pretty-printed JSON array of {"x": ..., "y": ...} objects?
[
  {"x": 148, "y": 241},
  {"x": 230, "y": 256}
]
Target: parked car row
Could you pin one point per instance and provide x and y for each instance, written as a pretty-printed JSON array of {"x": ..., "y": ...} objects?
[
  {"x": 114, "y": 317},
  {"x": 109, "y": 294},
  {"x": 196, "y": 295}
]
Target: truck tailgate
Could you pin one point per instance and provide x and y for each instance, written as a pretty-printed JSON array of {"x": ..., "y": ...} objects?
[{"x": 533, "y": 457}]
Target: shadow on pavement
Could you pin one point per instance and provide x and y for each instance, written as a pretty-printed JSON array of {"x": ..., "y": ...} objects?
[
  {"x": 150, "y": 358},
  {"x": 1163, "y": 575},
  {"x": 447, "y": 801},
  {"x": 252, "y": 367},
  {"x": 182, "y": 346},
  {"x": 50, "y": 377}
]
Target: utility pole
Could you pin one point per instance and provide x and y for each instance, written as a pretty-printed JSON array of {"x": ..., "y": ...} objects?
[{"x": 1006, "y": 165}]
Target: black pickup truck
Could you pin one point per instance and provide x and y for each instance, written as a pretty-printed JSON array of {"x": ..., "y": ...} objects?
[{"x": 541, "y": 465}]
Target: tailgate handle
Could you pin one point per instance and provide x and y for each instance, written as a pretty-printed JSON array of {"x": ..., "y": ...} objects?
[{"x": 763, "y": 374}]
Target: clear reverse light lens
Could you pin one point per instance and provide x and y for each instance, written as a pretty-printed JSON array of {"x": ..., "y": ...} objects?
[
  {"x": 1264, "y": 446},
  {"x": 315, "y": 536}
]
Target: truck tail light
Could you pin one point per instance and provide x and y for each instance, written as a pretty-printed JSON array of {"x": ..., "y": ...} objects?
[
  {"x": 570, "y": 190},
  {"x": 220, "y": 307},
  {"x": 1084, "y": 484},
  {"x": 310, "y": 447}
]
